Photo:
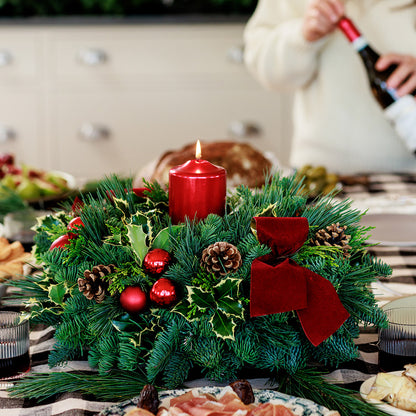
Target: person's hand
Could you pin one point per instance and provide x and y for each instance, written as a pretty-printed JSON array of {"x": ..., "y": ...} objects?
[
  {"x": 321, "y": 18},
  {"x": 403, "y": 78}
]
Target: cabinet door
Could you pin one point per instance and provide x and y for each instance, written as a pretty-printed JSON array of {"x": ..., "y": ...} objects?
[
  {"x": 21, "y": 127},
  {"x": 120, "y": 132},
  {"x": 21, "y": 57}
]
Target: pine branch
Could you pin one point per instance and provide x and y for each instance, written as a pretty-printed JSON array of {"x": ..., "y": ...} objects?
[
  {"x": 176, "y": 371},
  {"x": 103, "y": 355},
  {"x": 115, "y": 386},
  {"x": 327, "y": 211},
  {"x": 165, "y": 345},
  {"x": 308, "y": 383}
]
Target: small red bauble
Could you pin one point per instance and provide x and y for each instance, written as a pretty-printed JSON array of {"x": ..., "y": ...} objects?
[
  {"x": 163, "y": 292},
  {"x": 156, "y": 261},
  {"x": 133, "y": 299},
  {"x": 74, "y": 225},
  {"x": 60, "y": 242}
]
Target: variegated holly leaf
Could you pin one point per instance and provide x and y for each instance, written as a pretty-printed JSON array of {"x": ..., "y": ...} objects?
[
  {"x": 137, "y": 238},
  {"x": 200, "y": 298},
  {"x": 138, "y": 219},
  {"x": 122, "y": 205},
  {"x": 114, "y": 239},
  {"x": 222, "y": 325},
  {"x": 57, "y": 293},
  {"x": 226, "y": 295}
]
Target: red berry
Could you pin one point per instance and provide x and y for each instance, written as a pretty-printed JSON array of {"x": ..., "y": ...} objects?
[
  {"x": 60, "y": 242},
  {"x": 133, "y": 299}
]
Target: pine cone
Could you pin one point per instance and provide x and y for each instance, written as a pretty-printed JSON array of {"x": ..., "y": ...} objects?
[
  {"x": 334, "y": 235},
  {"x": 221, "y": 258},
  {"x": 92, "y": 285}
]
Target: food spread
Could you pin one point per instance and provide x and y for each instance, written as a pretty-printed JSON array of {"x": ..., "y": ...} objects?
[{"x": 399, "y": 390}]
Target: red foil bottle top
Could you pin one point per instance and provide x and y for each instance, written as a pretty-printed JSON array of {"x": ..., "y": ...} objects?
[{"x": 349, "y": 29}]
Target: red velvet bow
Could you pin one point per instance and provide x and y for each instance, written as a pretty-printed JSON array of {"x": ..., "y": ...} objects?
[{"x": 281, "y": 285}]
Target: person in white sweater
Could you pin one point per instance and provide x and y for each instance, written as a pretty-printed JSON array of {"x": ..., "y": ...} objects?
[{"x": 296, "y": 45}]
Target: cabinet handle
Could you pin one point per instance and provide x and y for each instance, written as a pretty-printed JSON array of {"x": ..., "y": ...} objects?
[
  {"x": 6, "y": 58},
  {"x": 6, "y": 134},
  {"x": 92, "y": 56},
  {"x": 236, "y": 54},
  {"x": 244, "y": 129},
  {"x": 91, "y": 132}
]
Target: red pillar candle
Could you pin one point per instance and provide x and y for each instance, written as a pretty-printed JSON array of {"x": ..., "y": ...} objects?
[{"x": 196, "y": 188}]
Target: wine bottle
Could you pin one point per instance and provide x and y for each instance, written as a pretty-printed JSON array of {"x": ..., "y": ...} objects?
[{"x": 400, "y": 111}]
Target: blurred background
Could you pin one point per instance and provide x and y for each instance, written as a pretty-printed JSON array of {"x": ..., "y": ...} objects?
[{"x": 94, "y": 87}]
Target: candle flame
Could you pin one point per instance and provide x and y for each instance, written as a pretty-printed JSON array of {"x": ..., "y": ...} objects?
[{"x": 198, "y": 152}]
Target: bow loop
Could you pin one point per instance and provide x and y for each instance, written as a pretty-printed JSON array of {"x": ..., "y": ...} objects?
[
  {"x": 282, "y": 286},
  {"x": 285, "y": 236}
]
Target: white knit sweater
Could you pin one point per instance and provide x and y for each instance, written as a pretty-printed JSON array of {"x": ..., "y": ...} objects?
[{"x": 337, "y": 122}]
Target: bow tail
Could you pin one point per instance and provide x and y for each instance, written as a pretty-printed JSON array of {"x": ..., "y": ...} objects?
[{"x": 325, "y": 313}]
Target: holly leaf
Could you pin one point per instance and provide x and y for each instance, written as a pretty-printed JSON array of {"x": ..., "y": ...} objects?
[
  {"x": 181, "y": 308},
  {"x": 162, "y": 240},
  {"x": 50, "y": 223},
  {"x": 200, "y": 298},
  {"x": 228, "y": 287},
  {"x": 231, "y": 307},
  {"x": 113, "y": 240},
  {"x": 122, "y": 205},
  {"x": 137, "y": 239},
  {"x": 57, "y": 293},
  {"x": 222, "y": 325},
  {"x": 138, "y": 219}
]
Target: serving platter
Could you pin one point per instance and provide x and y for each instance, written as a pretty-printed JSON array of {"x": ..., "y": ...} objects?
[
  {"x": 298, "y": 405},
  {"x": 385, "y": 407},
  {"x": 391, "y": 229}
]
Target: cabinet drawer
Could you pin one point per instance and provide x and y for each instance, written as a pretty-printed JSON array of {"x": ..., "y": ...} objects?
[
  {"x": 126, "y": 54},
  {"x": 143, "y": 125}
]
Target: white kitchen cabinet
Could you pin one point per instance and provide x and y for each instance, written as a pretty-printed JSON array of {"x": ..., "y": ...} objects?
[{"x": 96, "y": 99}]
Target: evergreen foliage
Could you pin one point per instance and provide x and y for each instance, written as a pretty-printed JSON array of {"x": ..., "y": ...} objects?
[{"x": 209, "y": 331}]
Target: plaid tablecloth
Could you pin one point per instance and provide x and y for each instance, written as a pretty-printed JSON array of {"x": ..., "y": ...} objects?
[{"x": 378, "y": 193}]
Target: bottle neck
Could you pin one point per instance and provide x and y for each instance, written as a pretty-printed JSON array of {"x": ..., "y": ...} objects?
[{"x": 352, "y": 34}]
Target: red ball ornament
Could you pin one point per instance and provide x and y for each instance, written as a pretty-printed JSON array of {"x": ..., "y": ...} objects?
[
  {"x": 74, "y": 225},
  {"x": 133, "y": 299},
  {"x": 156, "y": 261},
  {"x": 163, "y": 292},
  {"x": 60, "y": 242}
]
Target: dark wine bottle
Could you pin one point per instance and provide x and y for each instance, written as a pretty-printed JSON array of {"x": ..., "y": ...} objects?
[{"x": 400, "y": 111}]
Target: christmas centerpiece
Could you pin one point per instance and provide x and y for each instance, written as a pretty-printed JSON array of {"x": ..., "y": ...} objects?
[{"x": 276, "y": 286}]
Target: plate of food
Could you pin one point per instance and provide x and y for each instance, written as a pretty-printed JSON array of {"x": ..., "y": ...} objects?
[
  {"x": 32, "y": 184},
  {"x": 220, "y": 400},
  {"x": 393, "y": 392}
]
